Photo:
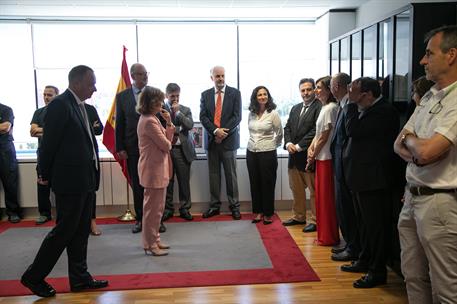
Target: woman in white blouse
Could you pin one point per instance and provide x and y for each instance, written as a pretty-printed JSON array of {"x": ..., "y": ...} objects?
[
  {"x": 265, "y": 135},
  {"x": 319, "y": 152}
]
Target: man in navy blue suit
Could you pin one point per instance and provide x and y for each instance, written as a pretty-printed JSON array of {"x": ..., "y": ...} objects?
[
  {"x": 69, "y": 162},
  {"x": 220, "y": 115}
]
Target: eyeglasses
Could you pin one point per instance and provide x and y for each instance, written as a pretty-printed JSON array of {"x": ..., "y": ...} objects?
[
  {"x": 142, "y": 74},
  {"x": 436, "y": 108}
]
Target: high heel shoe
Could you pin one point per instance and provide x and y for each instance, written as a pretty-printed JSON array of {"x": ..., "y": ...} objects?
[
  {"x": 163, "y": 245},
  {"x": 257, "y": 218},
  {"x": 155, "y": 251}
]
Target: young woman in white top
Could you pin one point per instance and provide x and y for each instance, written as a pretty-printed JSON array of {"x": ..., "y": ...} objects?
[
  {"x": 265, "y": 135},
  {"x": 319, "y": 153}
]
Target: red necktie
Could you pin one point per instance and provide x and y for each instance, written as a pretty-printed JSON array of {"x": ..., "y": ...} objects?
[{"x": 218, "y": 111}]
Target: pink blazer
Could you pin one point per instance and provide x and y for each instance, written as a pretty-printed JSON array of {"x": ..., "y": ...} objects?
[{"x": 154, "y": 142}]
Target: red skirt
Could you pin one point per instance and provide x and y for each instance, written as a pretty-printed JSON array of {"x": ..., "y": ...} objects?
[{"x": 327, "y": 224}]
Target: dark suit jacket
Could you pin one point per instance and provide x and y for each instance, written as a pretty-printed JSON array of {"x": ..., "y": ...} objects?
[
  {"x": 66, "y": 155},
  {"x": 94, "y": 119},
  {"x": 337, "y": 144},
  {"x": 301, "y": 132},
  {"x": 184, "y": 123},
  {"x": 126, "y": 122},
  {"x": 368, "y": 157},
  {"x": 230, "y": 118}
]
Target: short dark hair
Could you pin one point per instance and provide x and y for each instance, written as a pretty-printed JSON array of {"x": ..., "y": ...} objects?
[
  {"x": 310, "y": 80},
  {"x": 326, "y": 83},
  {"x": 254, "y": 105},
  {"x": 342, "y": 79},
  {"x": 149, "y": 97},
  {"x": 449, "y": 37},
  {"x": 56, "y": 90},
  {"x": 78, "y": 72},
  {"x": 172, "y": 87},
  {"x": 368, "y": 84},
  {"x": 422, "y": 85}
]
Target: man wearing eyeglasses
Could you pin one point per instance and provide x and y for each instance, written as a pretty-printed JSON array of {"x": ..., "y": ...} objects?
[
  {"x": 368, "y": 161},
  {"x": 428, "y": 220},
  {"x": 127, "y": 138},
  {"x": 36, "y": 130}
]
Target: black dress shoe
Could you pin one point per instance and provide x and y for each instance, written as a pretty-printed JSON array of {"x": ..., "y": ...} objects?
[
  {"x": 41, "y": 289},
  {"x": 293, "y": 222},
  {"x": 310, "y": 228},
  {"x": 14, "y": 219},
  {"x": 162, "y": 228},
  {"x": 236, "y": 215},
  {"x": 344, "y": 256},
  {"x": 186, "y": 215},
  {"x": 337, "y": 249},
  {"x": 93, "y": 284},
  {"x": 370, "y": 280},
  {"x": 167, "y": 214},
  {"x": 211, "y": 212},
  {"x": 137, "y": 227},
  {"x": 355, "y": 266}
]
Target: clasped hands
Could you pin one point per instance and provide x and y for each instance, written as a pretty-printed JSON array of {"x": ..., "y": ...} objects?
[{"x": 220, "y": 135}]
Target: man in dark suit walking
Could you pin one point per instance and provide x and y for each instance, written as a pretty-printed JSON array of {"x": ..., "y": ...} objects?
[
  {"x": 371, "y": 125},
  {"x": 182, "y": 153},
  {"x": 298, "y": 134},
  {"x": 126, "y": 135},
  {"x": 69, "y": 163},
  {"x": 220, "y": 115}
]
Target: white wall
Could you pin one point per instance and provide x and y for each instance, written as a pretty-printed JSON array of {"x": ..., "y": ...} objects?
[
  {"x": 340, "y": 23},
  {"x": 374, "y": 10}
]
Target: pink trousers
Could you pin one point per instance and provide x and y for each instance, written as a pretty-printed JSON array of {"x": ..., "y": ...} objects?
[{"x": 153, "y": 205}]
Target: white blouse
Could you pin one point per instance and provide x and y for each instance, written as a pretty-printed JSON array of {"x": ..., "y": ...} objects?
[
  {"x": 326, "y": 118},
  {"x": 265, "y": 133}
]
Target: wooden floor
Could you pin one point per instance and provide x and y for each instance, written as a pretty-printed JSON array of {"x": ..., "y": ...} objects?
[{"x": 335, "y": 287}]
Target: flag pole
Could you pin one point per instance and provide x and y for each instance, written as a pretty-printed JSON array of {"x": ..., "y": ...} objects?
[{"x": 127, "y": 216}]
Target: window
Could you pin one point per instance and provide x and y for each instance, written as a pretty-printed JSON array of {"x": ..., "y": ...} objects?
[
  {"x": 17, "y": 89},
  {"x": 97, "y": 45},
  {"x": 184, "y": 53},
  {"x": 276, "y": 55}
]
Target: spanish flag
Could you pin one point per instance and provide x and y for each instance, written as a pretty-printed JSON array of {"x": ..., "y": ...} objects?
[{"x": 110, "y": 126}]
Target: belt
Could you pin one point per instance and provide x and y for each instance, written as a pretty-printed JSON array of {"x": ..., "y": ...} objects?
[{"x": 429, "y": 191}]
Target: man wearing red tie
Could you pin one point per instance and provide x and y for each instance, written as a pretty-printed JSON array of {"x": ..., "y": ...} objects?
[{"x": 220, "y": 115}]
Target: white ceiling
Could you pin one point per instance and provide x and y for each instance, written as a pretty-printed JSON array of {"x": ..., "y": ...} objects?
[{"x": 303, "y": 9}]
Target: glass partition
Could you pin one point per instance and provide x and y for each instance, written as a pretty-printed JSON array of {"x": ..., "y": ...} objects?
[
  {"x": 370, "y": 52},
  {"x": 344, "y": 55},
  {"x": 385, "y": 59},
  {"x": 356, "y": 59},
  {"x": 335, "y": 58},
  {"x": 402, "y": 37}
]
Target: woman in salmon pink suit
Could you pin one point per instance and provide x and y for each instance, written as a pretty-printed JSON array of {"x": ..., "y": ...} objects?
[{"x": 154, "y": 165}]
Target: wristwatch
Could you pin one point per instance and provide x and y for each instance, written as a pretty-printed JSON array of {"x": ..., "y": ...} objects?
[{"x": 403, "y": 138}]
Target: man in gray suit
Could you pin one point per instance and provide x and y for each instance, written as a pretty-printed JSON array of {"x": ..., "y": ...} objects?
[
  {"x": 298, "y": 134},
  {"x": 220, "y": 114},
  {"x": 127, "y": 138},
  {"x": 182, "y": 153}
]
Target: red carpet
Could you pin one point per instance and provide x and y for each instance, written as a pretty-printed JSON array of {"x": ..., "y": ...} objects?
[{"x": 289, "y": 265}]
